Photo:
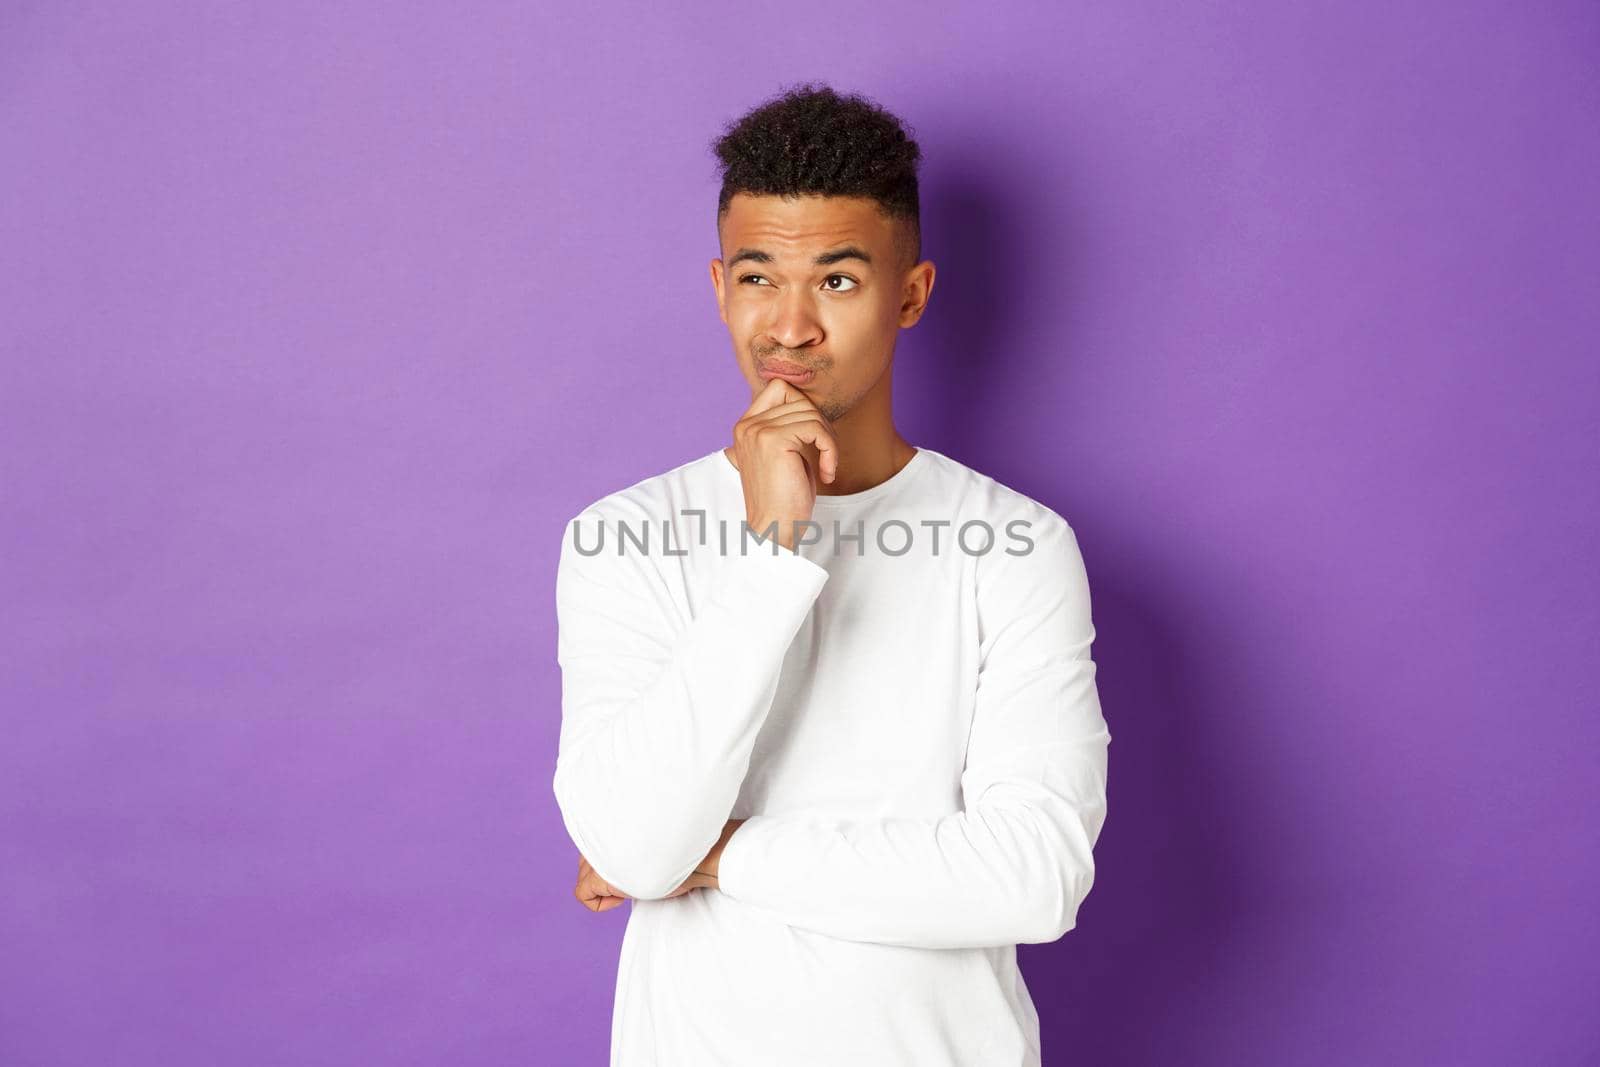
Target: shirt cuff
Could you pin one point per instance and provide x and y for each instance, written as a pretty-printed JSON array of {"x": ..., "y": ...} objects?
[{"x": 732, "y": 878}]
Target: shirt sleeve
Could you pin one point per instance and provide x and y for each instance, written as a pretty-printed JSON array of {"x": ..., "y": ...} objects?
[
  {"x": 1016, "y": 863},
  {"x": 659, "y": 713}
]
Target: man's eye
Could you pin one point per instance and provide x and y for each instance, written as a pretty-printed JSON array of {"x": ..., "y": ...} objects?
[{"x": 748, "y": 278}]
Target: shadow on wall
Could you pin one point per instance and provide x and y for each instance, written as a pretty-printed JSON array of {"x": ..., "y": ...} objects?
[
  {"x": 1008, "y": 273},
  {"x": 1191, "y": 901}
]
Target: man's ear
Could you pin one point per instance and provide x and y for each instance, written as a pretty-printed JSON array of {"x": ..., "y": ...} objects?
[
  {"x": 716, "y": 284},
  {"x": 918, "y": 290}
]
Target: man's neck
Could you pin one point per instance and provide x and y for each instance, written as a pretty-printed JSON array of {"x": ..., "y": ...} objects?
[
  {"x": 871, "y": 450},
  {"x": 867, "y": 459}
]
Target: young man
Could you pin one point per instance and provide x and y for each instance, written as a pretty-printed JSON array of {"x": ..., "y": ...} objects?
[{"x": 841, "y": 771}]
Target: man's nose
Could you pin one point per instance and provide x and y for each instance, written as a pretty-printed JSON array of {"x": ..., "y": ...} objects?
[{"x": 795, "y": 323}]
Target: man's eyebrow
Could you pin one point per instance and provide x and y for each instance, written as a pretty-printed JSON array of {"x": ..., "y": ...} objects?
[{"x": 755, "y": 255}]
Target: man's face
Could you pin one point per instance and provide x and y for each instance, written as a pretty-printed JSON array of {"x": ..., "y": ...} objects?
[{"x": 816, "y": 284}]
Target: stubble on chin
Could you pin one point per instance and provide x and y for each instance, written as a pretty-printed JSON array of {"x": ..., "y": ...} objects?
[{"x": 832, "y": 410}]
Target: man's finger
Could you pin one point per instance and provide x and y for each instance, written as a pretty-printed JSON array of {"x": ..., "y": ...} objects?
[
  {"x": 803, "y": 405},
  {"x": 777, "y": 391},
  {"x": 808, "y": 428}
]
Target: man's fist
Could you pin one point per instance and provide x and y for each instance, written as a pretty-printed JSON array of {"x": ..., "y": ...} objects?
[{"x": 594, "y": 892}]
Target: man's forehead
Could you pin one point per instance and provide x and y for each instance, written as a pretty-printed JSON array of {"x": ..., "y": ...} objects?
[{"x": 791, "y": 225}]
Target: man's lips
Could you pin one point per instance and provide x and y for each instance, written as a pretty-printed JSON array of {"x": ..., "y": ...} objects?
[{"x": 789, "y": 372}]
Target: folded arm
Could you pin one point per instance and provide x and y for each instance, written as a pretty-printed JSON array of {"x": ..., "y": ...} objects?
[
  {"x": 659, "y": 713},
  {"x": 1016, "y": 863}
]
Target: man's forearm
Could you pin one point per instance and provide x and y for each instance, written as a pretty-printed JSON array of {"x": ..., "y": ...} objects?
[{"x": 658, "y": 723}]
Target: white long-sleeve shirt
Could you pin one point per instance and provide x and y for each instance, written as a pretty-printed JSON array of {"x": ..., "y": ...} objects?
[{"x": 907, "y": 719}]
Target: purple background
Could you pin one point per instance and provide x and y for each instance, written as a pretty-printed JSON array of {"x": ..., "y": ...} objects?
[{"x": 319, "y": 320}]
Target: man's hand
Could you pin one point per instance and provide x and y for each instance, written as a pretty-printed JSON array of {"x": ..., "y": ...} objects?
[
  {"x": 597, "y": 894},
  {"x": 594, "y": 892},
  {"x": 782, "y": 445}
]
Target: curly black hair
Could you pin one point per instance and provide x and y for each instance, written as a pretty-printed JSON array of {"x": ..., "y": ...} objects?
[{"x": 809, "y": 140}]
